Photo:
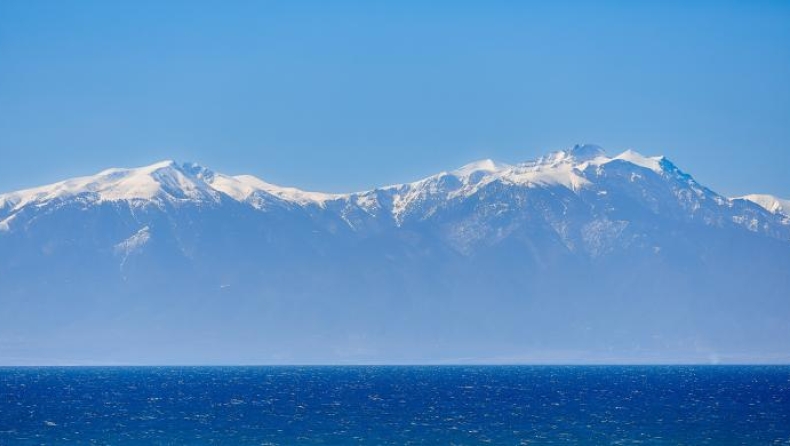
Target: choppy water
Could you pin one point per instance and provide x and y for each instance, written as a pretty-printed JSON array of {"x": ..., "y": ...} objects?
[{"x": 396, "y": 405}]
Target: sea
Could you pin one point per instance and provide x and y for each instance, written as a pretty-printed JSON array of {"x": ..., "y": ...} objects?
[{"x": 403, "y": 405}]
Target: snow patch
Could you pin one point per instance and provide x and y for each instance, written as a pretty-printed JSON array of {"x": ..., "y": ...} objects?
[
  {"x": 134, "y": 243},
  {"x": 485, "y": 166},
  {"x": 163, "y": 181},
  {"x": 586, "y": 152},
  {"x": 288, "y": 193},
  {"x": 653, "y": 163},
  {"x": 769, "y": 202}
]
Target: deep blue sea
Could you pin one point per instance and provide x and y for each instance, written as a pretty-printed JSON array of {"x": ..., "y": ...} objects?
[{"x": 707, "y": 405}]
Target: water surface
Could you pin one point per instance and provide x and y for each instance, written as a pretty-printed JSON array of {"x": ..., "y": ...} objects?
[{"x": 729, "y": 405}]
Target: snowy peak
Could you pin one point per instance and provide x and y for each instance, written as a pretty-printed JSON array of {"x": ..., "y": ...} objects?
[
  {"x": 171, "y": 182},
  {"x": 585, "y": 152},
  {"x": 162, "y": 181},
  {"x": 537, "y": 250},
  {"x": 248, "y": 187},
  {"x": 484, "y": 166},
  {"x": 769, "y": 202},
  {"x": 580, "y": 168},
  {"x": 577, "y": 154},
  {"x": 581, "y": 156},
  {"x": 166, "y": 180},
  {"x": 653, "y": 163},
  {"x": 564, "y": 167}
]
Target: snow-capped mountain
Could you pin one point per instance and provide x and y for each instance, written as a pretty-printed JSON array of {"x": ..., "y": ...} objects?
[
  {"x": 574, "y": 257},
  {"x": 770, "y": 203}
]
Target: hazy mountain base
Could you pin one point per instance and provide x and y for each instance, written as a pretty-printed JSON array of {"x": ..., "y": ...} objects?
[{"x": 507, "y": 274}]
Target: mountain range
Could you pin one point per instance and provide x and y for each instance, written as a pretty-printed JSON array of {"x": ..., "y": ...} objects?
[{"x": 576, "y": 257}]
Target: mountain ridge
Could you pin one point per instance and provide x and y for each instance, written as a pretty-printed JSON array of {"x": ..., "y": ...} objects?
[
  {"x": 576, "y": 256},
  {"x": 169, "y": 179}
]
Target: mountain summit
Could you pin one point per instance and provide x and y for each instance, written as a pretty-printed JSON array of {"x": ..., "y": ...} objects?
[{"x": 577, "y": 256}]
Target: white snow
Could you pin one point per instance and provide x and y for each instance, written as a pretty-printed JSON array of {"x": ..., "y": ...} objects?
[
  {"x": 132, "y": 245},
  {"x": 564, "y": 168},
  {"x": 247, "y": 188},
  {"x": 769, "y": 202},
  {"x": 287, "y": 193},
  {"x": 486, "y": 165},
  {"x": 558, "y": 171},
  {"x": 238, "y": 190},
  {"x": 135, "y": 242},
  {"x": 160, "y": 181},
  {"x": 165, "y": 181},
  {"x": 653, "y": 163},
  {"x": 168, "y": 181}
]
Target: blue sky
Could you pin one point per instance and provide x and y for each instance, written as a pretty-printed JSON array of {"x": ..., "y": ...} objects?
[{"x": 342, "y": 96}]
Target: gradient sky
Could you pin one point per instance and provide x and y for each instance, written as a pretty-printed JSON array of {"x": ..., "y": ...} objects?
[{"x": 350, "y": 95}]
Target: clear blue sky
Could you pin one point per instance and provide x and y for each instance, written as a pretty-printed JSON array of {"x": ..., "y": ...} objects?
[{"x": 341, "y": 96}]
